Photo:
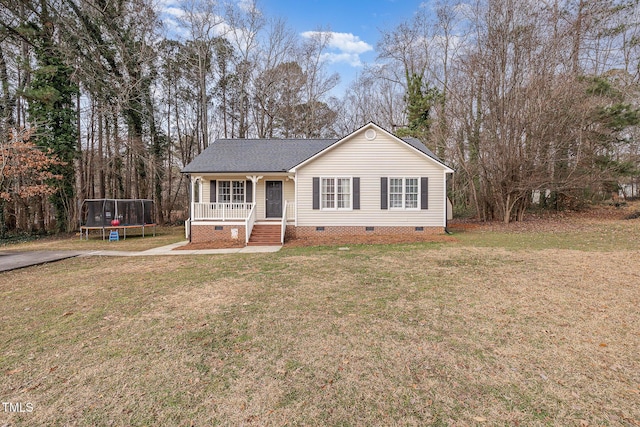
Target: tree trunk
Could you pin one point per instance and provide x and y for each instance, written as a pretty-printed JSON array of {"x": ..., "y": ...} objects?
[{"x": 100, "y": 164}]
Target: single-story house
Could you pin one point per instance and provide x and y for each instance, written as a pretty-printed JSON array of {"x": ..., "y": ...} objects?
[{"x": 260, "y": 191}]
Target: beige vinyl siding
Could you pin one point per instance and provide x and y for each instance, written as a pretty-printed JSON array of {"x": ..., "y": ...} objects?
[
  {"x": 371, "y": 160},
  {"x": 261, "y": 209},
  {"x": 289, "y": 190},
  {"x": 205, "y": 197}
]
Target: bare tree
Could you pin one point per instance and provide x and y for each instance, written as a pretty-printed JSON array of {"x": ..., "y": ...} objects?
[
  {"x": 279, "y": 79},
  {"x": 245, "y": 21},
  {"x": 314, "y": 115},
  {"x": 205, "y": 26}
]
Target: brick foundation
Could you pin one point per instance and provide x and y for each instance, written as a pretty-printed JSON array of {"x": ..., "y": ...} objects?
[
  {"x": 208, "y": 233},
  {"x": 334, "y": 232}
]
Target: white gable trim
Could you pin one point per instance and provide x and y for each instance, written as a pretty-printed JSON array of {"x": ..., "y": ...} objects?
[{"x": 375, "y": 127}]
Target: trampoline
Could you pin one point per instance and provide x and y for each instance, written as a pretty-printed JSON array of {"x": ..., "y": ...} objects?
[{"x": 117, "y": 214}]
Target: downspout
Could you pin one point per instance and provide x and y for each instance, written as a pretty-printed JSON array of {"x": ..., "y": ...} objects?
[
  {"x": 446, "y": 205},
  {"x": 446, "y": 216},
  {"x": 295, "y": 203},
  {"x": 191, "y": 206}
]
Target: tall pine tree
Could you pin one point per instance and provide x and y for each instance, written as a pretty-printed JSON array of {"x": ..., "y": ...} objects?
[
  {"x": 52, "y": 112},
  {"x": 420, "y": 99}
]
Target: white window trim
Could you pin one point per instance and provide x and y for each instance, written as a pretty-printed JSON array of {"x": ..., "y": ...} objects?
[
  {"x": 404, "y": 193},
  {"x": 231, "y": 181},
  {"x": 336, "y": 178}
]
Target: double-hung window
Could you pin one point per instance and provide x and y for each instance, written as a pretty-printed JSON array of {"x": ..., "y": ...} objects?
[
  {"x": 237, "y": 191},
  {"x": 403, "y": 193},
  {"x": 336, "y": 193},
  {"x": 411, "y": 193},
  {"x": 231, "y": 191}
]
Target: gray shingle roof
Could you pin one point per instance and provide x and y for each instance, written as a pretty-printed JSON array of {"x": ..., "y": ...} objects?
[
  {"x": 418, "y": 145},
  {"x": 266, "y": 155},
  {"x": 255, "y": 155}
]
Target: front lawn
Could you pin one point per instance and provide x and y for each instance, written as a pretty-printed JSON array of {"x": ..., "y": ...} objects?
[
  {"x": 483, "y": 331},
  {"x": 134, "y": 241}
]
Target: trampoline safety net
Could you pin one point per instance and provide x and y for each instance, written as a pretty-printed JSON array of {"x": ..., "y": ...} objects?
[{"x": 100, "y": 212}]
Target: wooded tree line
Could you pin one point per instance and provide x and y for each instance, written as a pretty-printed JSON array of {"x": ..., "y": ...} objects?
[
  {"x": 520, "y": 97},
  {"x": 526, "y": 100}
]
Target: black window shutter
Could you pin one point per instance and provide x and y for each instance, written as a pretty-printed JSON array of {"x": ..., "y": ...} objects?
[
  {"x": 424, "y": 193},
  {"x": 248, "y": 188},
  {"x": 383, "y": 193},
  {"x": 356, "y": 193},
  {"x": 316, "y": 193},
  {"x": 212, "y": 191}
]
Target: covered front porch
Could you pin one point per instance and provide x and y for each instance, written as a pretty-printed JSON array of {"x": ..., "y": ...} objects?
[
  {"x": 236, "y": 212},
  {"x": 229, "y": 206},
  {"x": 236, "y": 222}
]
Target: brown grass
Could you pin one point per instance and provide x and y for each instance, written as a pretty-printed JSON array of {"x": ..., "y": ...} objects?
[
  {"x": 133, "y": 242},
  {"x": 483, "y": 331},
  {"x": 369, "y": 240},
  {"x": 223, "y": 244}
]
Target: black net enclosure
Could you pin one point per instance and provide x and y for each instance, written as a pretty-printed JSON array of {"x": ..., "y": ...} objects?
[{"x": 127, "y": 212}]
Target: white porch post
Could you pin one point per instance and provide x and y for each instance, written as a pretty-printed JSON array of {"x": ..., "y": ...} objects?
[
  {"x": 192, "y": 211},
  {"x": 254, "y": 180},
  {"x": 195, "y": 180},
  {"x": 295, "y": 195}
]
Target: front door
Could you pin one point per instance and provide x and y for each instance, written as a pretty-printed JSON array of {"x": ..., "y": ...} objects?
[{"x": 273, "y": 199}]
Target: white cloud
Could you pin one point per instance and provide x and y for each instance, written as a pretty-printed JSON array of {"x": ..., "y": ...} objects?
[
  {"x": 347, "y": 42},
  {"x": 248, "y": 6},
  {"x": 176, "y": 20},
  {"x": 162, "y": 4},
  {"x": 174, "y": 11},
  {"x": 349, "y": 58},
  {"x": 346, "y": 47}
]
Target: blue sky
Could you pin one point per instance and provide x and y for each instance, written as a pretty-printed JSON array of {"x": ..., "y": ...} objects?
[{"x": 356, "y": 22}]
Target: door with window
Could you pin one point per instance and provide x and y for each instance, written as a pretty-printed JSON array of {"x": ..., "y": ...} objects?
[{"x": 273, "y": 199}]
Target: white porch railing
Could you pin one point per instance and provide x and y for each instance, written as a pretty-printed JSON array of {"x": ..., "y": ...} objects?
[
  {"x": 248, "y": 224},
  {"x": 290, "y": 211},
  {"x": 221, "y": 211}
]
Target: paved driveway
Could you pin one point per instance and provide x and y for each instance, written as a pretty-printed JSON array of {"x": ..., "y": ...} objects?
[{"x": 14, "y": 260}]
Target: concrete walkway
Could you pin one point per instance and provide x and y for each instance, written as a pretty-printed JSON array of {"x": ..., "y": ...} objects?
[
  {"x": 169, "y": 250},
  {"x": 14, "y": 260}
]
